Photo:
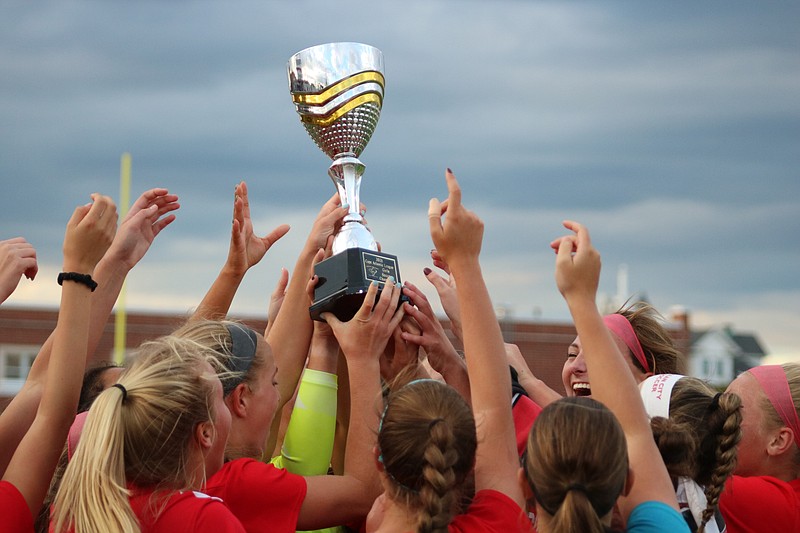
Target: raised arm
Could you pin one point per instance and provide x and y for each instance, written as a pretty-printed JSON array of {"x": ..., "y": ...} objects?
[
  {"x": 150, "y": 214},
  {"x": 458, "y": 240},
  {"x": 577, "y": 277},
  {"x": 246, "y": 250},
  {"x": 307, "y": 444},
  {"x": 89, "y": 234},
  {"x": 276, "y": 299},
  {"x": 537, "y": 389},
  {"x": 333, "y": 500},
  {"x": 290, "y": 333},
  {"x": 17, "y": 257}
]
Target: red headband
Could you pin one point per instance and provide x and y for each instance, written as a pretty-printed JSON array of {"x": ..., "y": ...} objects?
[
  {"x": 75, "y": 433},
  {"x": 775, "y": 385},
  {"x": 620, "y": 327}
]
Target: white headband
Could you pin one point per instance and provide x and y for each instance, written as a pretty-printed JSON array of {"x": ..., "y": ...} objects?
[{"x": 656, "y": 392}]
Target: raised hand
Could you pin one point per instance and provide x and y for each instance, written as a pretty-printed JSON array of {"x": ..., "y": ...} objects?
[
  {"x": 577, "y": 263},
  {"x": 17, "y": 257},
  {"x": 442, "y": 355},
  {"x": 145, "y": 219},
  {"x": 432, "y": 337},
  {"x": 327, "y": 223},
  {"x": 366, "y": 334},
  {"x": 459, "y": 236},
  {"x": 277, "y": 296},
  {"x": 446, "y": 289},
  {"x": 89, "y": 234},
  {"x": 401, "y": 356},
  {"x": 246, "y": 248}
]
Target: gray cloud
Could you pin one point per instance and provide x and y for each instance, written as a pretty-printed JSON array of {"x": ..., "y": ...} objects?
[{"x": 671, "y": 130}]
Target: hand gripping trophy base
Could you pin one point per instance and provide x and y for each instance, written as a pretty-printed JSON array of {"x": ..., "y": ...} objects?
[{"x": 344, "y": 279}]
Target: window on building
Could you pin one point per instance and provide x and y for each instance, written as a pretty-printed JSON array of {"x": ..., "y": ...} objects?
[
  {"x": 15, "y": 363},
  {"x": 13, "y": 367}
]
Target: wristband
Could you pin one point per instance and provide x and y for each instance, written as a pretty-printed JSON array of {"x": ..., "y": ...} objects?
[{"x": 84, "y": 279}]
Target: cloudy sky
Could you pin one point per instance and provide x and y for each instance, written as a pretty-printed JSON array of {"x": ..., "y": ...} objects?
[{"x": 671, "y": 129}]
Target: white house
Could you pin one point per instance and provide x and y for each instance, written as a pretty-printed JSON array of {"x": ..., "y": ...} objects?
[{"x": 718, "y": 354}]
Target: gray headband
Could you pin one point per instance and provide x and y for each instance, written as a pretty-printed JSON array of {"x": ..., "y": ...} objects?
[{"x": 243, "y": 349}]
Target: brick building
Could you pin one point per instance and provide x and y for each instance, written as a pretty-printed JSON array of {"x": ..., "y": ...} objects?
[{"x": 23, "y": 331}]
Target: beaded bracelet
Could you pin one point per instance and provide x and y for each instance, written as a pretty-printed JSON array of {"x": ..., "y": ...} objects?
[{"x": 84, "y": 279}]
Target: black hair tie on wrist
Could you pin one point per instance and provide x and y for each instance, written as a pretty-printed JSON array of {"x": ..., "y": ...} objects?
[
  {"x": 124, "y": 391},
  {"x": 84, "y": 279}
]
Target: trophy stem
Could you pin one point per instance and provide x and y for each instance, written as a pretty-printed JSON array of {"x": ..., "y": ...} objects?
[{"x": 346, "y": 171}]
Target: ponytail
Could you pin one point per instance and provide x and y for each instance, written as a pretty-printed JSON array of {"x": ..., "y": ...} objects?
[
  {"x": 138, "y": 432},
  {"x": 93, "y": 494},
  {"x": 576, "y": 514},
  {"x": 576, "y": 486}
]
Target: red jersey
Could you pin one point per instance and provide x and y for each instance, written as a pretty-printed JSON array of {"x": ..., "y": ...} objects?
[
  {"x": 760, "y": 503},
  {"x": 492, "y": 511},
  {"x": 184, "y": 512},
  {"x": 524, "y": 411},
  {"x": 16, "y": 517},
  {"x": 262, "y": 497}
]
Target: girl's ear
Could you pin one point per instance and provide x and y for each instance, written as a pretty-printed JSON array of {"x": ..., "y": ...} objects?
[
  {"x": 781, "y": 442},
  {"x": 522, "y": 479},
  {"x": 205, "y": 434},
  {"x": 626, "y": 489},
  {"x": 237, "y": 401}
]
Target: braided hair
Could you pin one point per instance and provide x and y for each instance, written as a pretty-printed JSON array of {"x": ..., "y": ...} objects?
[{"x": 427, "y": 442}]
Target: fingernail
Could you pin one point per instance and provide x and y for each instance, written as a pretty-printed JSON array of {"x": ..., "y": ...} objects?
[
  {"x": 363, "y": 212},
  {"x": 426, "y": 271},
  {"x": 448, "y": 170},
  {"x": 399, "y": 285},
  {"x": 390, "y": 279},
  {"x": 374, "y": 283},
  {"x": 346, "y": 206}
]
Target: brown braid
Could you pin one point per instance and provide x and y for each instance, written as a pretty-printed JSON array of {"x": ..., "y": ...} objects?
[
  {"x": 728, "y": 415},
  {"x": 436, "y": 493},
  {"x": 427, "y": 442}
]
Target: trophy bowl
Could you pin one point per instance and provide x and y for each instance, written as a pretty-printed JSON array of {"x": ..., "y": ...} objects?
[{"x": 337, "y": 89}]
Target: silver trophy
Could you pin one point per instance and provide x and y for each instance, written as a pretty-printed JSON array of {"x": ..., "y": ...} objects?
[{"x": 337, "y": 89}]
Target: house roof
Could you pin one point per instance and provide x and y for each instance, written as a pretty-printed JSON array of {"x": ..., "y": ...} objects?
[{"x": 748, "y": 343}]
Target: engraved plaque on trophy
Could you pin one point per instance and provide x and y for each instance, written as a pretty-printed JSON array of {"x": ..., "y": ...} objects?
[{"x": 337, "y": 89}]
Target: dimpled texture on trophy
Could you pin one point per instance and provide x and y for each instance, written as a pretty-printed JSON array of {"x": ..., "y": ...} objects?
[{"x": 337, "y": 89}]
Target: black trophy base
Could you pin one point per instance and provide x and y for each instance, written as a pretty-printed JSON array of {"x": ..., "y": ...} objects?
[{"x": 344, "y": 279}]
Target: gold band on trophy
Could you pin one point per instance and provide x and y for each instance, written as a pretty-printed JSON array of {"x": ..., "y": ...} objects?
[
  {"x": 327, "y": 120},
  {"x": 329, "y": 93}
]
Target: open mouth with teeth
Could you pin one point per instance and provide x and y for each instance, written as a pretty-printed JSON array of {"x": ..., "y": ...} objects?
[{"x": 581, "y": 389}]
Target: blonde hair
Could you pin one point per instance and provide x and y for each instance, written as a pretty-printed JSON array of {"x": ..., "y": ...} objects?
[
  {"x": 427, "y": 442},
  {"x": 139, "y": 434},
  {"x": 576, "y": 485},
  {"x": 214, "y": 336},
  {"x": 657, "y": 344},
  {"x": 700, "y": 437}
]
